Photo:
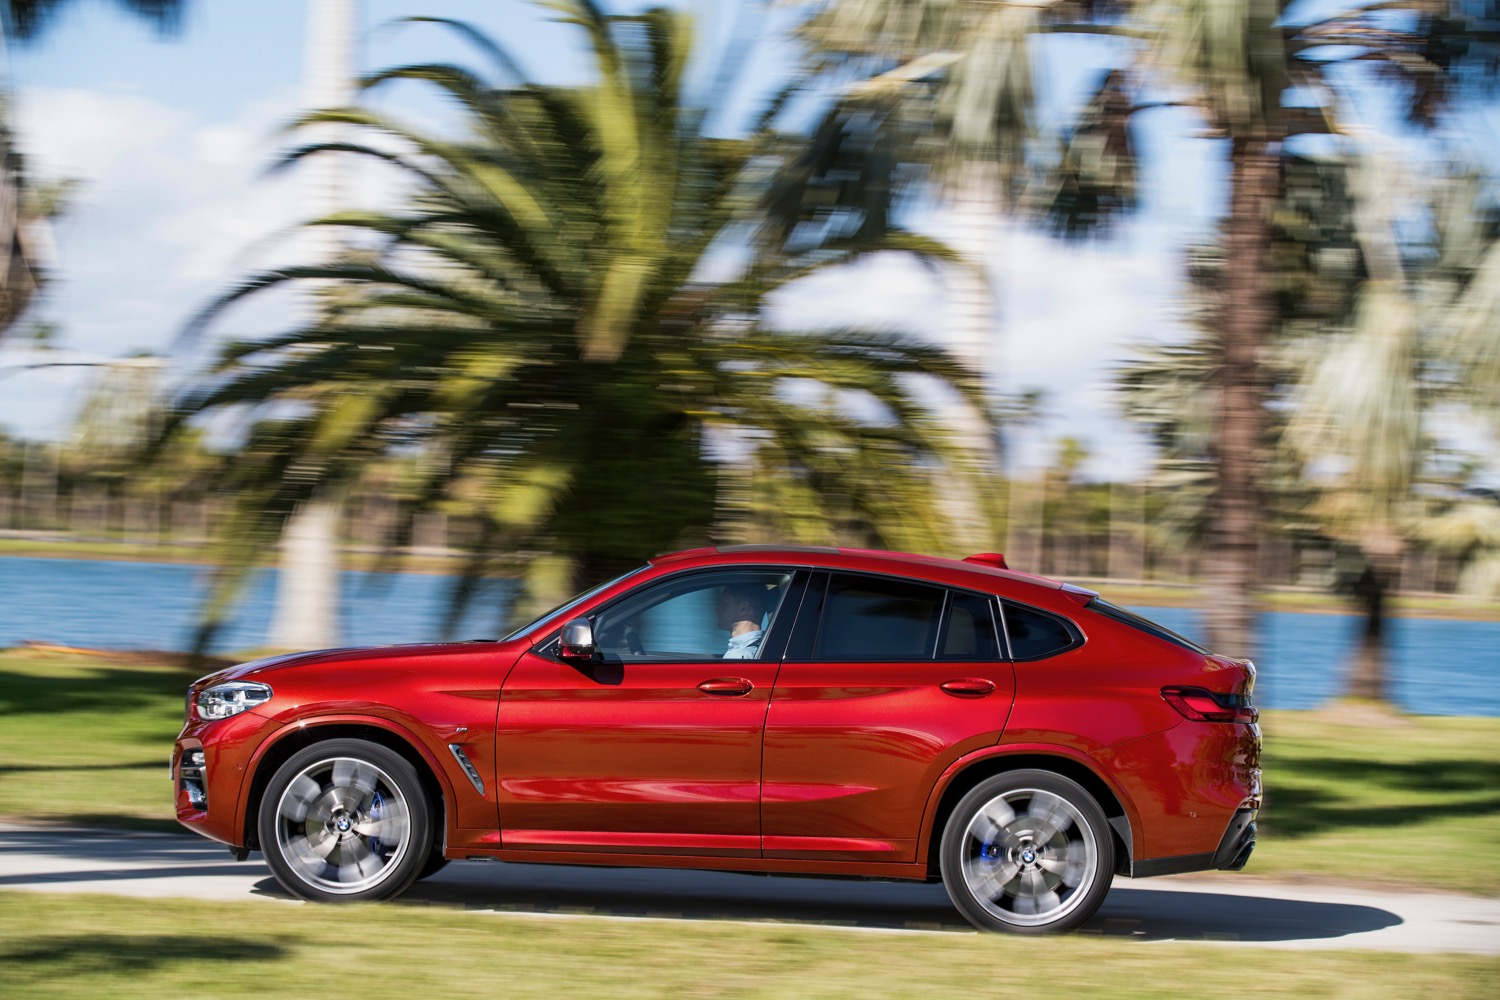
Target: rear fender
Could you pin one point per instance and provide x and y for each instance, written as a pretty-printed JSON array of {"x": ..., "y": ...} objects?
[{"x": 1010, "y": 756}]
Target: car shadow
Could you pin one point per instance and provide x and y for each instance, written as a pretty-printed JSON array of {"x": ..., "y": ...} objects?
[
  {"x": 1141, "y": 914},
  {"x": 1173, "y": 915}
]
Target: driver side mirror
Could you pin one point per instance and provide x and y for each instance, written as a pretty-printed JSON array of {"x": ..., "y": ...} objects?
[{"x": 577, "y": 642}]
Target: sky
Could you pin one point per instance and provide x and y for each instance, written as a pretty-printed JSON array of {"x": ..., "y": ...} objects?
[{"x": 170, "y": 140}]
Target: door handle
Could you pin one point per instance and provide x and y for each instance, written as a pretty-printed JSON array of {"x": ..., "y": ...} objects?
[
  {"x": 726, "y": 686},
  {"x": 968, "y": 687}
]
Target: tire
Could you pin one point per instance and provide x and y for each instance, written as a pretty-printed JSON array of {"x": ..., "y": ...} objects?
[
  {"x": 1027, "y": 852},
  {"x": 345, "y": 821}
]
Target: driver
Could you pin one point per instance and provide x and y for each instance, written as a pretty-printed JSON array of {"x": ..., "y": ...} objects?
[{"x": 740, "y": 608}]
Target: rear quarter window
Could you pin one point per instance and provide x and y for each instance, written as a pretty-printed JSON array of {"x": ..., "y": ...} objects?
[{"x": 1036, "y": 634}]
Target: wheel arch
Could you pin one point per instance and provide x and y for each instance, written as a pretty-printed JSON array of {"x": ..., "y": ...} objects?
[
  {"x": 965, "y": 774},
  {"x": 293, "y": 739}
]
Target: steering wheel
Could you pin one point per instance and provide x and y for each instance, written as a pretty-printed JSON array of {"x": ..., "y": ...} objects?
[{"x": 633, "y": 640}]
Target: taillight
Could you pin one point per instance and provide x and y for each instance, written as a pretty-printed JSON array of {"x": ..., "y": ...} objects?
[{"x": 1203, "y": 705}]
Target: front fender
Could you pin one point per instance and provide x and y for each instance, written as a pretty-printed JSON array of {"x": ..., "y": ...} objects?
[{"x": 301, "y": 727}]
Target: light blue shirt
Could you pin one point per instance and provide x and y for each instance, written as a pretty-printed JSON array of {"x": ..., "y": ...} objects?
[{"x": 745, "y": 646}]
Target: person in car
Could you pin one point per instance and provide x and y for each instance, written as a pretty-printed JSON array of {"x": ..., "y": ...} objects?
[{"x": 741, "y": 608}]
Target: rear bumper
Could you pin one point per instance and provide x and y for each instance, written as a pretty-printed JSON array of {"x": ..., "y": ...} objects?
[
  {"x": 1232, "y": 853},
  {"x": 1237, "y": 843}
]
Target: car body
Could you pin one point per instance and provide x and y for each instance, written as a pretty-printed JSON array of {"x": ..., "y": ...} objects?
[{"x": 898, "y": 717}]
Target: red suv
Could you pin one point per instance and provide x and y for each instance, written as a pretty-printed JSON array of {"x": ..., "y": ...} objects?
[{"x": 815, "y": 711}]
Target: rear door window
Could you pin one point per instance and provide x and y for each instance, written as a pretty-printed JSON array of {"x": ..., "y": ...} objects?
[
  {"x": 969, "y": 629},
  {"x": 877, "y": 618}
]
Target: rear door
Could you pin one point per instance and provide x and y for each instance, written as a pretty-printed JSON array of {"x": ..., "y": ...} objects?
[{"x": 886, "y": 682}]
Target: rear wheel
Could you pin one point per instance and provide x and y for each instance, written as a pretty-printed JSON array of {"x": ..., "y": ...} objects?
[
  {"x": 345, "y": 820},
  {"x": 1028, "y": 852}
]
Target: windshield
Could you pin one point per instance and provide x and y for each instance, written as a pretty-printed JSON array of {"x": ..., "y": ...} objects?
[
  {"x": 1146, "y": 625},
  {"x": 561, "y": 610}
]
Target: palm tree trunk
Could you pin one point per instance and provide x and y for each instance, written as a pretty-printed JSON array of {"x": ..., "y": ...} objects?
[
  {"x": 307, "y": 594},
  {"x": 1367, "y": 674},
  {"x": 1234, "y": 515},
  {"x": 307, "y": 591},
  {"x": 972, "y": 322}
]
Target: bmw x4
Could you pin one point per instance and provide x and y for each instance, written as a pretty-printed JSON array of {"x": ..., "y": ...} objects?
[{"x": 751, "y": 709}]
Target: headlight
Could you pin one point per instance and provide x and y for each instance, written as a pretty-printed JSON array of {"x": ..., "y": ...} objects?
[{"x": 231, "y": 698}]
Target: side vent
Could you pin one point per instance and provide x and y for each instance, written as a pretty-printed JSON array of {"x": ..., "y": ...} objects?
[{"x": 468, "y": 766}]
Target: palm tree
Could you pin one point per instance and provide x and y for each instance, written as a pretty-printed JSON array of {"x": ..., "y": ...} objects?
[
  {"x": 1370, "y": 395},
  {"x": 554, "y": 325},
  {"x": 1235, "y": 60},
  {"x": 27, "y": 20},
  {"x": 1367, "y": 359},
  {"x": 25, "y": 207}
]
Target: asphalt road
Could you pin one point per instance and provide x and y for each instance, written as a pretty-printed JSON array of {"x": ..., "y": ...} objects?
[{"x": 1242, "y": 909}]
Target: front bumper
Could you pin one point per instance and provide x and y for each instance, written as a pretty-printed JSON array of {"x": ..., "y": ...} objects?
[{"x": 209, "y": 763}]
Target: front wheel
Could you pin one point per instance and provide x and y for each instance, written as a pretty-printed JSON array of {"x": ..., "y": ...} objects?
[
  {"x": 345, "y": 821},
  {"x": 1028, "y": 852}
]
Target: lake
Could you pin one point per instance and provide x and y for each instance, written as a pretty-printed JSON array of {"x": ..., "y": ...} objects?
[{"x": 1439, "y": 667}]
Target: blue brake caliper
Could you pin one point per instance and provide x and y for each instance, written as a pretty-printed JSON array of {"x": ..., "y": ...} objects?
[{"x": 375, "y": 809}]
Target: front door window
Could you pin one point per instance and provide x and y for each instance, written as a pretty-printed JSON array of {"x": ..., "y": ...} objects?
[{"x": 705, "y": 616}]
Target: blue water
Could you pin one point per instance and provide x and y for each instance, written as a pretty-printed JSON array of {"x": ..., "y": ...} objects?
[
  {"x": 1438, "y": 668},
  {"x": 123, "y": 605}
]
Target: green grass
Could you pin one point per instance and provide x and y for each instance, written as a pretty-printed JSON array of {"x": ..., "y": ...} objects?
[
  {"x": 87, "y": 741},
  {"x": 1359, "y": 796},
  {"x": 86, "y": 946},
  {"x": 1352, "y": 793}
]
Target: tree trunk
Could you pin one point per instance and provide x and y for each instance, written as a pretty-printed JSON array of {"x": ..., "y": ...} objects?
[
  {"x": 1367, "y": 674},
  {"x": 1234, "y": 513},
  {"x": 307, "y": 592},
  {"x": 972, "y": 323}
]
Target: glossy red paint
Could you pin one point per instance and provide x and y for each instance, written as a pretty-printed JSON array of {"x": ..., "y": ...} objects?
[
  {"x": 632, "y": 758},
  {"x": 790, "y": 762},
  {"x": 852, "y": 750}
]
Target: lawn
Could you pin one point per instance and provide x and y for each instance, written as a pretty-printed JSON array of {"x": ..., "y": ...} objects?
[
  {"x": 1412, "y": 801},
  {"x": 71, "y": 946}
]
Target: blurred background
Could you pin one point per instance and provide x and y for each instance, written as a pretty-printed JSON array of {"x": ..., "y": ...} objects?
[{"x": 352, "y": 321}]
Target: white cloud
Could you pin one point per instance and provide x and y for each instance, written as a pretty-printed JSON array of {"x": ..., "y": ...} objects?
[
  {"x": 171, "y": 209},
  {"x": 1067, "y": 315}
]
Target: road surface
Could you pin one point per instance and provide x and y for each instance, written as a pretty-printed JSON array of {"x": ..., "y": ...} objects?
[{"x": 1242, "y": 909}]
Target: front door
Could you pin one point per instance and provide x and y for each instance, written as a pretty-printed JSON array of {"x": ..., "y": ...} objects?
[{"x": 655, "y": 746}]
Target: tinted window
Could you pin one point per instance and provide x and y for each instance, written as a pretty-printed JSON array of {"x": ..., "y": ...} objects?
[
  {"x": 1034, "y": 634},
  {"x": 969, "y": 629},
  {"x": 869, "y": 618},
  {"x": 699, "y": 616}
]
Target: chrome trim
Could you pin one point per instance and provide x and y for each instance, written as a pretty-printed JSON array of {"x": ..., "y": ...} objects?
[{"x": 468, "y": 766}]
